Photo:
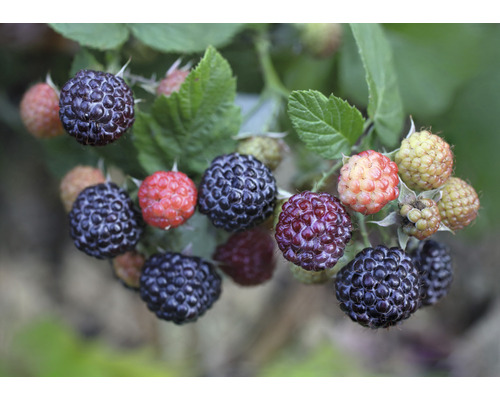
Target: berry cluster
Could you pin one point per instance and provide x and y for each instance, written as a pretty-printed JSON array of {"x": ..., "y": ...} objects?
[
  {"x": 381, "y": 286},
  {"x": 323, "y": 236}
]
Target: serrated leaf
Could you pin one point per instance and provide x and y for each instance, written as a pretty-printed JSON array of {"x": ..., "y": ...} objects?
[
  {"x": 194, "y": 125},
  {"x": 146, "y": 133},
  {"x": 384, "y": 103},
  {"x": 328, "y": 126},
  {"x": 184, "y": 38},
  {"x": 97, "y": 36}
]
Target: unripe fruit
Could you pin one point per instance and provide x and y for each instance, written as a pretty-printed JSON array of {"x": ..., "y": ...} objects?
[
  {"x": 458, "y": 205},
  {"x": 368, "y": 181},
  {"x": 167, "y": 199},
  {"x": 76, "y": 180},
  {"x": 265, "y": 149},
  {"x": 421, "y": 218},
  {"x": 321, "y": 40},
  {"x": 39, "y": 111},
  {"x": 425, "y": 161},
  {"x": 172, "y": 82},
  {"x": 127, "y": 268}
]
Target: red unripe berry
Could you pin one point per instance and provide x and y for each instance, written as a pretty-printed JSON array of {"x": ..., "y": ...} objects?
[
  {"x": 39, "y": 111},
  {"x": 368, "y": 181},
  {"x": 167, "y": 199}
]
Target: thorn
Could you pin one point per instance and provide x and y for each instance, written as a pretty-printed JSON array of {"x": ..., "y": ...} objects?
[
  {"x": 50, "y": 82},
  {"x": 173, "y": 66},
  {"x": 188, "y": 250},
  {"x": 283, "y": 194},
  {"x": 136, "y": 181},
  {"x": 412, "y": 128},
  {"x": 120, "y": 72}
]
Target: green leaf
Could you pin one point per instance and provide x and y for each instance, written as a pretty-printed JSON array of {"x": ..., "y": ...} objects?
[
  {"x": 98, "y": 36},
  {"x": 184, "y": 38},
  {"x": 194, "y": 125},
  {"x": 384, "y": 104},
  {"x": 328, "y": 126},
  {"x": 84, "y": 59}
]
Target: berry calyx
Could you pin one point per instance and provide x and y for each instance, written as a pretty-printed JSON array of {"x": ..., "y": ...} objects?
[
  {"x": 425, "y": 161},
  {"x": 179, "y": 288},
  {"x": 237, "y": 192},
  {"x": 39, "y": 110},
  {"x": 76, "y": 180},
  {"x": 104, "y": 222},
  {"x": 421, "y": 218},
  {"x": 96, "y": 108},
  {"x": 379, "y": 288},
  {"x": 313, "y": 230},
  {"x": 459, "y": 204},
  {"x": 368, "y": 181},
  {"x": 247, "y": 257},
  {"x": 167, "y": 199}
]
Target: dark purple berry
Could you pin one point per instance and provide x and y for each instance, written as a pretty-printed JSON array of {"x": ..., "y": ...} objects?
[
  {"x": 313, "y": 230},
  {"x": 379, "y": 288},
  {"x": 96, "y": 107},
  {"x": 247, "y": 257},
  {"x": 104, "y": 222},
  {"x": 433, "y": 260},
  {"x": 237, "y": 192},
  {"x": 179, "y": 288}
]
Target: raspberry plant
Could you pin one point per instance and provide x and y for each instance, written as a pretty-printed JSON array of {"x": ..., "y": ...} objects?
[{"x": 203, "y": 162}]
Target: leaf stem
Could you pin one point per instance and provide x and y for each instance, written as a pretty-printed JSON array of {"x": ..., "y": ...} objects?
[{"x": 321, "y": 182}]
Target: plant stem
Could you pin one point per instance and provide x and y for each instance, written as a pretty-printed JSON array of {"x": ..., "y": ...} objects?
[
  {"x": 363, "y": 231},
  {"x": 271, "y": 79},
  {"x": 320, "y": 183}
]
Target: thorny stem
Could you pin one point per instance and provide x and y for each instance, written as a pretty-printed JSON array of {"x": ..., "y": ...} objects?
[{"x": 321, "y": 182}]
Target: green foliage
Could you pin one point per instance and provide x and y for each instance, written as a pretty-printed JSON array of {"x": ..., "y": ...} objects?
[
  {"x": 179, "y": 38},
  {"x": 384, "y": 103},
  {"x": 328, "y": 126},
  {"x": 98, "y": 36},
  {"x": 184, "y": 38},
  {"x": 192, "y": 126},
  {"x": 48, "y": 348}
]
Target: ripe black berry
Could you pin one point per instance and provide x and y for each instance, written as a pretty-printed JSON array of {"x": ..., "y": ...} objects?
[
  {"x": 313, "y": 230},
  {"x": 379, "y": 287},
  {"x": 104, "y": 222},
  {"x": 96, "y": 107},
  {"x": 237, "y": 192},
  {"x": 179, "y": 288},
  {"x": 433, "y": 260}
]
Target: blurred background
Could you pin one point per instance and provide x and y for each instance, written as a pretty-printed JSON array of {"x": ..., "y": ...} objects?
[{"x": 64, "y": 314}]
